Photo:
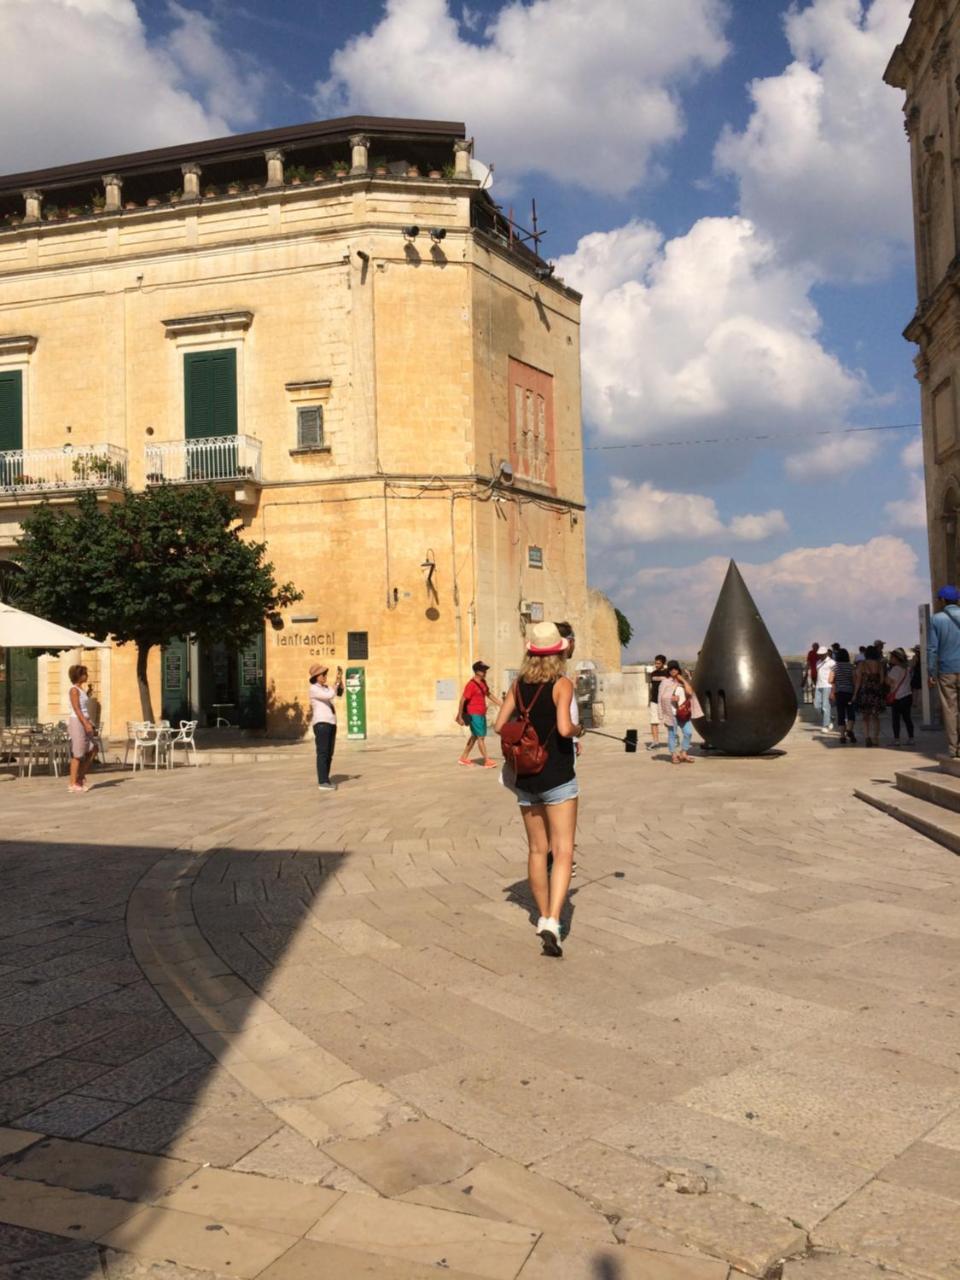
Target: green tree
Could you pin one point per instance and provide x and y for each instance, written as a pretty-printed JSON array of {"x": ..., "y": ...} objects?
[
  {"x": 624, "y": 629},
  {"x": 160, "y": 564}
]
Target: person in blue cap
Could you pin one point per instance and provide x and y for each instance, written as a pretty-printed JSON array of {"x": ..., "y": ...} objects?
[{"x": 943, "y": 663}]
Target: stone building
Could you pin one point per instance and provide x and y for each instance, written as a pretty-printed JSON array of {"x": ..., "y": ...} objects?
[
  {"x": 926, "y": 65},
  {"x": 336, "y": 323}
]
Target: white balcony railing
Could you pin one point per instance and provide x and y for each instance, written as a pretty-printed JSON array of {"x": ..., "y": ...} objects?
[
  {"x": 208, "y": 459},
  {"x": 92, "y": 466}
]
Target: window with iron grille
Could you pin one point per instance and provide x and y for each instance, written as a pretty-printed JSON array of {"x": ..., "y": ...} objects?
[
  {"x": 357, "y": 646},
  {"x": 535, "y": 557},
  {"x": 310, "y": 427}
]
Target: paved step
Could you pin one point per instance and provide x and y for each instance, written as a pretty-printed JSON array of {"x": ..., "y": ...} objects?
[
  {"x": 930, "y": 819},
  {"x": 930, "y": 784}
]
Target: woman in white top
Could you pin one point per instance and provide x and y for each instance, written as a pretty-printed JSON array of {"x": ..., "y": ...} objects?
[
  {"x": 81, "y": 730},
  {"x": 323, "y": 718}
]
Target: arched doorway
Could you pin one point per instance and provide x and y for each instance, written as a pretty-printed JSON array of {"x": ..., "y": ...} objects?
[{"x": 18, "y": 667}]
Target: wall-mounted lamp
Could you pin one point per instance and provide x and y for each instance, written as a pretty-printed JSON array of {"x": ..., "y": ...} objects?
[
  {"x": 437, "y": 234},
  {"x": 276, "y": 621},
  {"x": 505, "y": 472},
  {"x": 430, "y": 567},
  {"x": 544, "y": 273},
  {"x": 410, "y": 233},
  {"x": 363, "y": 255}
]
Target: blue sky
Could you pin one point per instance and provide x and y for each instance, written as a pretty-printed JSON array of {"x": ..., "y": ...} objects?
[{"x": 726, "y": 181}]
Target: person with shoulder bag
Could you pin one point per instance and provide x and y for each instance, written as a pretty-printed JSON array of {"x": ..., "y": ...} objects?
[
  {"x": 536, "y": 734},
  {"x": 678, "y": 709},
  {"x": 900, "y": 695}
]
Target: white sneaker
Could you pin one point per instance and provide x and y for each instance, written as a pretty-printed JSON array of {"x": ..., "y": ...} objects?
[{"x": 548, "y": 931}]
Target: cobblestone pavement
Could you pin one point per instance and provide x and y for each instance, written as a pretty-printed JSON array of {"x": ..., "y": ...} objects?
[{"x": 248, "y": 1029}]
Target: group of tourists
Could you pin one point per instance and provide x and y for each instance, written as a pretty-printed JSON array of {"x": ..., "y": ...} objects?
[{"x": 865, "y": 685}]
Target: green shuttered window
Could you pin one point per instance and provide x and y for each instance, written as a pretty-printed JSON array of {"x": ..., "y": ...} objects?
[
  {"x": 11, "y": 410},
  {"x": 210, "y": 388}
]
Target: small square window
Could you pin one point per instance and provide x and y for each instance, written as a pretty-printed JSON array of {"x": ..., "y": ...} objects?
[
  {"x": 310, "y": 427},
  {"x": 358, "y": 650},
  {"x": 535, "y": 557}
]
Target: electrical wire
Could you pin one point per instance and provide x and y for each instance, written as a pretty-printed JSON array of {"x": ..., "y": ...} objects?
[{"x": 770, "y": 435}]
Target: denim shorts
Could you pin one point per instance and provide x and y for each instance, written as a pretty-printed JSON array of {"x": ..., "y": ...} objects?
[{"x": 556, "y": 795}]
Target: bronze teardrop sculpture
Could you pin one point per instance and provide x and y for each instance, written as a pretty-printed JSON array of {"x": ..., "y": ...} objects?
[{"x": 748, "y": 700}]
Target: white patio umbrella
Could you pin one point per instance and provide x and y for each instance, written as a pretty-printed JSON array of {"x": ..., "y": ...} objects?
[{"x": 19, "y": 630}]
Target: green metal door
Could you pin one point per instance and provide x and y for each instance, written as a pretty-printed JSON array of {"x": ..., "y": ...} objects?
[
  {"x": 253, "y": 693},
  {"x": 22, "y": 685},
  {"x": 175, "y": 681}
]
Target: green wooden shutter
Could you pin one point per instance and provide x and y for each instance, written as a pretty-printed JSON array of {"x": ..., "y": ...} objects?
[
  {"x": 210, "y": 390},
  {"x": 11, "y": 410}
]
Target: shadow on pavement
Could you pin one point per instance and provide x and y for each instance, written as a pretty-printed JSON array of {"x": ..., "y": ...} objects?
[{"x": 126, "y": 1100}]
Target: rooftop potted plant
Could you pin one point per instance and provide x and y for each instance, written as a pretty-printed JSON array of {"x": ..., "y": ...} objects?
[
  {"x": 296, "y": 174},
  {"x": 98, "y": 201},
  {"x": 340, "y": 168},
  {"x": 209, "y": 192},
  {"x": 235, "y": 187},
  {"x": 152, "y": 202},
  {"x": 413, "y": 171},
  {"x": 380, "y": 166},
  {"x": 130, "y": 204},
  {"x": 174, "y": 197}
]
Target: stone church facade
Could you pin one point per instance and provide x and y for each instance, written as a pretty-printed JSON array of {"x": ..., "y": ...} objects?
[{"x": 926, "y": 65}]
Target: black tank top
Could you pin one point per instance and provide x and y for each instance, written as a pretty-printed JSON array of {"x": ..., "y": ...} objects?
[{"x": 560, "y": 754}]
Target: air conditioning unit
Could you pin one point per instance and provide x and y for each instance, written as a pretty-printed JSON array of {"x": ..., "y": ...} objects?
[{"x": 532, "y": 609}]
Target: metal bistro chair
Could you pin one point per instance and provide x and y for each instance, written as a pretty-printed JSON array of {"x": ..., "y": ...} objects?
[
  {"x": 49, "y": 742},
  {"x": 144, "y": 736},
  {"x": 184, "y": 737}
]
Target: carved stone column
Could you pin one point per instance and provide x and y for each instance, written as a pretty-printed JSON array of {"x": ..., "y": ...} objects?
[
  {"x": 360, "y": 153},
  {"x": 274, "y": 158},
  {"x": 191, "y": 181},
  {"x": 462, "y": 151},
  {"x": 113, "y": 189},
  {"x": 33, "y": 200}
]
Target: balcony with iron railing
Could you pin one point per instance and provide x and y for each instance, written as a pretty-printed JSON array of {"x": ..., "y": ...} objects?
[
  {"x": 231, "y": 460},
  {"x": 64, "y": 471}
]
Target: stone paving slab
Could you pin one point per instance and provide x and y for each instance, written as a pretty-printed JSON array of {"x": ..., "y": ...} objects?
[{"x": 338, "y": 1001}]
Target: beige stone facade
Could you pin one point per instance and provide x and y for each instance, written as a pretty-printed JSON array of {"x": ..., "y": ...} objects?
[
  {"x": 926, "y": 64},
  {"x": 436, "y": 502}
]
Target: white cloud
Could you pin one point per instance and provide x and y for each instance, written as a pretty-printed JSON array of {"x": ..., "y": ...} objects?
[
  {"x": 912, "y": 455},
  {"x": 836, "y": 458},
  {"x": 81, "y": 79},
  {"x": 582, "y": 90},
  {"x": 910, "y": 512},
  {"x": 833, "y": 591},
  {"x": 822, "y": 163},
  {"x": 707, "y": 334},
  {"x": 644, "y": 513}
]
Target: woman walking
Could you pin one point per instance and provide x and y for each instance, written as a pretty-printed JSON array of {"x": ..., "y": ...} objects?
[
  {"x": 323, "y": 718},
  {"x": 841, "y": 678},
  {"x": 869, "y": 694},
  {"x": 678, "y": 709},
  {"x": 81, "y": 730},
  {"x": 901, "y": 695},
  {"x": 541, "y": 697}
]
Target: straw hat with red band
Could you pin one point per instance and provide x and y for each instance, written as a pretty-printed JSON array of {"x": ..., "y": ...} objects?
[{"x": 544, "y": 639}]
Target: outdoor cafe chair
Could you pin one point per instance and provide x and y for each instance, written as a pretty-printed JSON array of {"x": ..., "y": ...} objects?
[
  {"x": 144, "y": 736},
  {"x": 184, "y": 737}
]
